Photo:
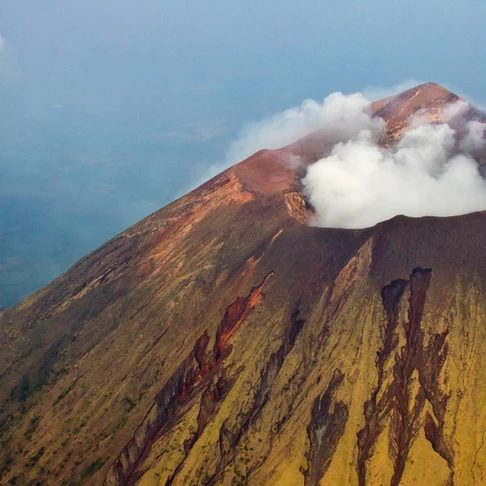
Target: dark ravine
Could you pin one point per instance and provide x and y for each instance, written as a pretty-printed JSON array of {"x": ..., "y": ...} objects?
[
  {"x": 376, "y": 411},
  {"x": 230, "y": 438},
  {"x": 195, "y": 368},
  {"x": 325, "y": 430},
  {"x": 400, "y": 403}
]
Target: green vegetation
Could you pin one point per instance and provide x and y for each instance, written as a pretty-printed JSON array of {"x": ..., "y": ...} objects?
[
  {"x": 22, "y": 392},
  {"x": 5, "y": 441},
  {"x": 92, "y": 468},
  {"x": 6, "y": 467},
  {"x": 35, "y": 458},
  {"x": 65, "y": 392},
  {"x": 33, "y": 424},
  {"x": 129, "y": 404}
]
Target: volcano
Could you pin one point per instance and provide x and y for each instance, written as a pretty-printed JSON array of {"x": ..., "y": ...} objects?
[{"x": 225, "y": 341}]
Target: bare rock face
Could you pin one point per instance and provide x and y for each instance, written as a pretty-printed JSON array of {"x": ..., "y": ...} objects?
[{"x": 222, "y": 340}]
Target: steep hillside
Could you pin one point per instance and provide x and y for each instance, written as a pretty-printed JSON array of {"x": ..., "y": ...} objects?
[{"x": 222, "y": 340}]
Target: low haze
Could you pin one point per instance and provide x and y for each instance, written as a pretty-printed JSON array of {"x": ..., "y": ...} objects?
[{"x": 111, "y": 109}]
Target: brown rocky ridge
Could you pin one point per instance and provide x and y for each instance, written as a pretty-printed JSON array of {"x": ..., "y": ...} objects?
[{"x": 224, "y": 341}]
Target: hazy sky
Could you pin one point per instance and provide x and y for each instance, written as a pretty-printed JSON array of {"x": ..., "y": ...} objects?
[{"x": 109, "y": 109}]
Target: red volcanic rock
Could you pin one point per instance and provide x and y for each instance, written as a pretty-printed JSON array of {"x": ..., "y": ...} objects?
[
  {"x": 275, "y": 171},
  {"x": 223, "y": 341}
]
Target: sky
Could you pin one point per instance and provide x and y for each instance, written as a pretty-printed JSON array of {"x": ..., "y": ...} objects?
[{"x": 110, "y": 110}]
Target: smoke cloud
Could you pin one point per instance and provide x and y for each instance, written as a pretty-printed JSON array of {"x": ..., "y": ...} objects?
[
  {"x": 361, "y": 183},
  {"x": 341, "y": 116},
  {"x": 431, "y": 171}
]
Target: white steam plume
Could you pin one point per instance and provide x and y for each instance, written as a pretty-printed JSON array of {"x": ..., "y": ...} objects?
[
  {"x": 475, "y": 139},
  {"x": 429, "y": 172},
  {"x": 360, "y": 183},
  {"x": 340, "y": 116}
]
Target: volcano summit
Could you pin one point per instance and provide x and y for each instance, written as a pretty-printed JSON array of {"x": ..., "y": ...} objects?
[{"x": 225, "y": 340}]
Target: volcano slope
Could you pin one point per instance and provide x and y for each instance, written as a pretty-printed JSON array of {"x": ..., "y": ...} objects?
[{"x": 222, "y": 340}]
